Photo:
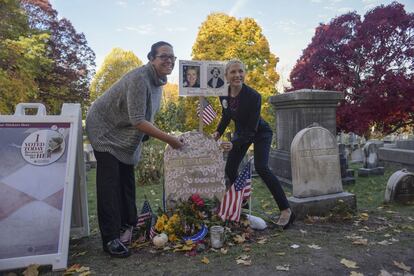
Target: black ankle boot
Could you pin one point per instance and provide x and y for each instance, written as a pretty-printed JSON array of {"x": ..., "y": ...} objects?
[{"x": 116, "y": 249}]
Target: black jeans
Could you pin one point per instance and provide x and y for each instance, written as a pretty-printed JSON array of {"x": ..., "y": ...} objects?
[
  {"x": 261, "y": 159},
  {"x": 115, "y": 192}
]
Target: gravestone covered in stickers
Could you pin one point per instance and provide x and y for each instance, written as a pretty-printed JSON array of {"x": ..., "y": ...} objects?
[{"x": 197, "y": 168}]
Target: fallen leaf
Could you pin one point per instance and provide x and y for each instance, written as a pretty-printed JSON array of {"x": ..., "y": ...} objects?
[
  {"x": 354, "y": 273},
  {"x": 31, "y": 270},
  {"x": 353, "y": 237},
  {"x": 10, "y": 274},
  {"x": 262, "y": 241},
  {"x": 303, "y": 231},
  {"x": 363, "y": 216},
  {"x": 79, "y": 254},
  {"x": 314, "y": 246},
  {"x": 402, "y": 266},
  {"x": 86, "y": 273},
  {"x": 205, "y": 260},
  {"x": 282, "y": 267},
  {"x": 294, "y": 246},
  {"x": 239, "y": 239},
  {"x": 280, "y": 253},
  {"x": 83, "y": 269},
  {"x": 360, "y": 242},
  {"x": 244, "y": 262},
  {"x": 224, "y": 250},
  {"x": 387, "y": 235},
  {"x": 348, "y": 263},
  {"x": 390, "y": 212},
  {"x": 243, "y": 259},
  {"x": 384, "y": 242},
  {"x": 73, "y": 268}
]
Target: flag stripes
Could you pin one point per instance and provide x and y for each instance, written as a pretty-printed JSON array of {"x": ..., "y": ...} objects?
[
  {"x": 230, "y": 207},
  {"x": 208, "y": 112}
]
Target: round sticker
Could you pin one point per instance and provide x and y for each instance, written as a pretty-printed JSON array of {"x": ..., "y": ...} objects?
[
  {"x": 224, "y": 102},
  {"x": 43, "y": 147}
]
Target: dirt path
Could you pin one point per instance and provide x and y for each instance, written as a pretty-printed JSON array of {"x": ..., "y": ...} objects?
[{"x": 316, "y": 247}]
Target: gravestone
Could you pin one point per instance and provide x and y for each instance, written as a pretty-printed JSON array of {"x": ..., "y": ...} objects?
[
  {"x": 371, "y": 161},
  {"x": 347, "y": 174},
  {"x": 400, "y": 187},
  {"x": 316, "y": 175},
  {"x": 357, "y": 156},
  {"x": 400, "y": 155},
  {"x": 197, "y": 168},
  {"x": 295, "y": 111}
]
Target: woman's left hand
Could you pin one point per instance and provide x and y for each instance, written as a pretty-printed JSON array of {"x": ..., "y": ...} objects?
[{"x": 226, "y": 146}]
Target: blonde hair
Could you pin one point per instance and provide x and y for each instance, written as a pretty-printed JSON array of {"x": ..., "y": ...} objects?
[{"x": 234, "y": 61}]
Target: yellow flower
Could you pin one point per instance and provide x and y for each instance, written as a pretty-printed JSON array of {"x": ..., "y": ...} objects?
[
  {"x": 159, "y": 226},
  {"x": 161, "y": 221},
  {"x": 172, "y": 238}
]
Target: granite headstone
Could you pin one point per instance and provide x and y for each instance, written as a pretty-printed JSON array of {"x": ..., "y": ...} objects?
[
  {"x": 400, "y": 187},
  {"x": 197, "y": 168}
]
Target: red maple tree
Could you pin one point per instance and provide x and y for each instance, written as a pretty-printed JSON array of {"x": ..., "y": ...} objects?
[
  {"x": 371, "y": 61},
  {"x": 74, "y": 60}
]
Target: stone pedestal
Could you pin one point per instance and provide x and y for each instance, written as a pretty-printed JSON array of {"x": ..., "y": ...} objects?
[
  {"x": 316, "y": 174},
  {"x": 319, "y": 205},
  {"x": 400, "y": 155},
  {"x": 374, "y": 171},
  {"x": 295, "y": 111}
]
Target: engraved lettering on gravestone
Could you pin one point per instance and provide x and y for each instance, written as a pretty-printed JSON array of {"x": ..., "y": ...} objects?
[{"x": 196, "y": 168}]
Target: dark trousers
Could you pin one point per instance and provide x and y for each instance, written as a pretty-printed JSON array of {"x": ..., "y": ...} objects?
[
  {"x": 115, "y": 192},
  {"x": 261, "y": 159}
]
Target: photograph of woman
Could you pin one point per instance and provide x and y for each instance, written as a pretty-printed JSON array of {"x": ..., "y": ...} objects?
[{"x": 191, "y": 76}]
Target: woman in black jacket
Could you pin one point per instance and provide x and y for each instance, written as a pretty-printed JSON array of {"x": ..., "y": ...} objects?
[{"x": 242, "y": 105}]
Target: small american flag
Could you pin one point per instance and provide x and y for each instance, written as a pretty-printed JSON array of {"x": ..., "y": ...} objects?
[
  {"x": 230, "y": 207},
  {"x": 208, "y": 112},
  {"x": 153, "y": 232},
  {"x": 146, "y": 214}
]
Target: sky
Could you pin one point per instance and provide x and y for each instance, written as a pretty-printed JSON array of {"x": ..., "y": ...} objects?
[{"x": 135, "y": 25}]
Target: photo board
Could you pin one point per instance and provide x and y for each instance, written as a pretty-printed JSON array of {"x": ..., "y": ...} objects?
[
  {"x": 202, "y": 78},
  {"x": 42, "y": 173}
]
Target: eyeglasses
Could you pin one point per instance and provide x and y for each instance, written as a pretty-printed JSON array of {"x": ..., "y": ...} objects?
[{"x": 167, "y": 57}]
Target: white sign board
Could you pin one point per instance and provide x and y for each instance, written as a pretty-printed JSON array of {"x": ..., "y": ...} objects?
[
  {"x": 41, "y": 171},
  {"x": 202, "y": 78}
]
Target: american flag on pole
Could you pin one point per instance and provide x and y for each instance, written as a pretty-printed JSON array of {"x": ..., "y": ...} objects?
[
  {"x": 146, "y": 222},
  {"x": 208, "y": 112},
  {"x": 230, "y": 207},
  {"x": 146, "y": 214}
]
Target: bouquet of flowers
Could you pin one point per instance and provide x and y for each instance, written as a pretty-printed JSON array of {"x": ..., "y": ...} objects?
[{"x": 188, "y": 217}]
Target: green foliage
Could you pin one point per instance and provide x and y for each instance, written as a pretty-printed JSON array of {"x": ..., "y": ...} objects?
[
  {"x": 223, "y": 37},
  {"x": 115, "y": 65},
  {"x": 150, "y": 168},
  {"x": 22, "y": 57},
  {"x": 171, "y": 116}
]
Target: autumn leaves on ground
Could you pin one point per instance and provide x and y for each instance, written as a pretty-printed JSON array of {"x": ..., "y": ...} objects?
[{"x": 376, "y": 240}]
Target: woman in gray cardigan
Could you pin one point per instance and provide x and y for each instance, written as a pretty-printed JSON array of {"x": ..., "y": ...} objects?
[{"x": 116, "y": 125}]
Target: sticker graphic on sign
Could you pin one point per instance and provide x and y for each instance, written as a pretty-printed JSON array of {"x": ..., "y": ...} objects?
[{"x": 43, "y": 147}]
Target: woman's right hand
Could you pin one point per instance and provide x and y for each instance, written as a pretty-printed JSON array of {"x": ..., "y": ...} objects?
[{"x": 176, "y": 143}]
